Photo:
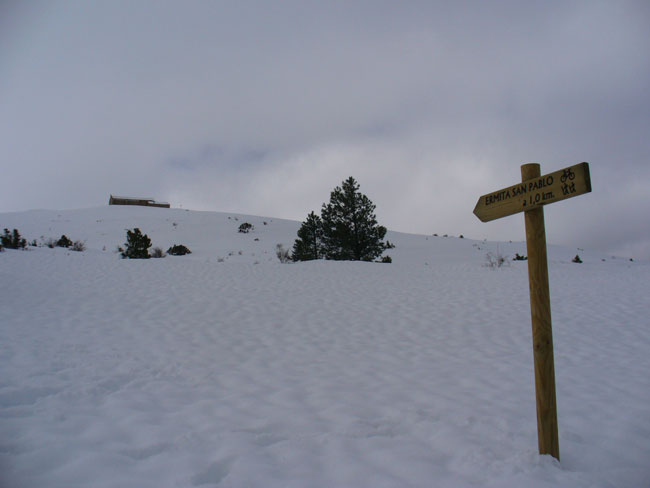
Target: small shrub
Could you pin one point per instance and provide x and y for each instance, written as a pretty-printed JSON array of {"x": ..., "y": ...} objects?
[
  {"x": 156, "y": 252},
  {"x": 283, "y": 254},
  {"x": 63, "y": 241},
  {"x": 518, "y": 257},
  {"x": 577, "y": 259},
  {"x": 50, "y": 242},
  {"x": 245, "y": 228},
  {"x": 12, "y": 240},
  {"x": 137, "y": 245},
  {"x": 34, "y": 243},
  {"x": 390, "y": 245},
  {"x": 79, "y": 246},
  {"x": 386, "y": 259},
  {"x": 494, "y": 260},
  {"x": 178, "y": 250}
]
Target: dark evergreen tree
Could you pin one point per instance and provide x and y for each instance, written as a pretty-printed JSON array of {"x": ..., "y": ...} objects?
[
  {"x": 309, "y": 244},
  {"x": 137, "y": 245},
  {"x": 178, "y": 250},
  {"x": 350, "y": 229},
  {"x": 13, "y": 240},
  {"x": 6, "y": 240},
  {"x": 246, "y": 227},
  {"x": 64, "y": 241}
]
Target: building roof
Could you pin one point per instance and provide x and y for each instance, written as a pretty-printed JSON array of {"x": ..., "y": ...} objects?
[{"x": 135, "y": 198}]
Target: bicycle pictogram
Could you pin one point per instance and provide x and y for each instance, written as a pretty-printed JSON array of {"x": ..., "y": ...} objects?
[{"x": 567, "y": 174}]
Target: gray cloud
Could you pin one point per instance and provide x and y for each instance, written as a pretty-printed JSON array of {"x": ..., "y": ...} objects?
[{"x": 264, "y": 108}]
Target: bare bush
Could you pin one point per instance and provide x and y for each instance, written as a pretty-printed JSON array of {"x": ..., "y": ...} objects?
[
  {"x": 495, "y": 260},
  {"x": 78, "y": 246},
  {"x": 157, "y": 252},
  {"x": 50, "y": 242},
  {"x": 284, "y": 255}
]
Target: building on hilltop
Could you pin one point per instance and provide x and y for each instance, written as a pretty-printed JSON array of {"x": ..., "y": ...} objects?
[{"x": 145, "y": 202}]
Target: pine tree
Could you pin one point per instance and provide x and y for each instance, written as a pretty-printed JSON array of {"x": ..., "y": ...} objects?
[
  {"x": 309, "y": 244},
  {"x": 64, "y": 241},
  {"x": 350, "y": 230},
  {"x": 137, "y": 245},
  {"x": 13, "y": 240}
]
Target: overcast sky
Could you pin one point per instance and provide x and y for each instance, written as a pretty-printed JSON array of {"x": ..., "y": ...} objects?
[{"x": 264, "y": 107}]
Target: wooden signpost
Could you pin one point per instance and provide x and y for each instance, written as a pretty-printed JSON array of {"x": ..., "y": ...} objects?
[{"x": 529, "y": 197}]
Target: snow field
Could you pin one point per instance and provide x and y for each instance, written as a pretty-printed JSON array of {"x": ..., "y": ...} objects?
[{"x": 193, "y": 372}]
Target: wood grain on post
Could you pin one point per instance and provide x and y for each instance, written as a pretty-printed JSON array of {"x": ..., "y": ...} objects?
[{"x": 540, "y": 306}]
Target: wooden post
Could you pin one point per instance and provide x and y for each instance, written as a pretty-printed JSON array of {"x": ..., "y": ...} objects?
[
  {"x": 540, "y": 307},
  {"x": 529, "y": 197}
]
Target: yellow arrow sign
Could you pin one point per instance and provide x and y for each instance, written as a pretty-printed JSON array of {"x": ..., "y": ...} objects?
[{"x": 527, "y": 195}]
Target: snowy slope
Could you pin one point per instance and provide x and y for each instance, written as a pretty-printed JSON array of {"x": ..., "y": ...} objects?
[{"x": 231, "y": 370}]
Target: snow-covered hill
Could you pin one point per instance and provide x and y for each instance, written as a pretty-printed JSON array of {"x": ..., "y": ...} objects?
[
  {"x": 213, "y": 236},
  {"x": 227, "y": 368}
]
